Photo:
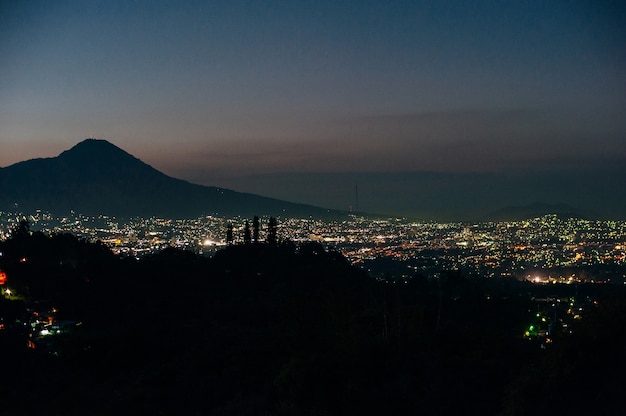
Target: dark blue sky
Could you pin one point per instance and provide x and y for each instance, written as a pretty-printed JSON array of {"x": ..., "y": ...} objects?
[{"x": 217, "y": 92}]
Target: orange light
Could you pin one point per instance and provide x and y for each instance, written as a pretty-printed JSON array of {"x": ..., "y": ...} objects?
[{"x": 3, "y": 277}]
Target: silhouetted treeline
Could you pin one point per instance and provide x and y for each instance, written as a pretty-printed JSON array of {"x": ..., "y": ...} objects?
[{"x": 284, "y": 329}]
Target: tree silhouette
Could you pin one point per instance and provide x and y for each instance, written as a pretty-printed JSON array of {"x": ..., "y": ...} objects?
[
  {"x": 247, "y": 238},
  {"x": 22, "y": 230},
  {"x": 272, "y": 228},
  {"x": 229, "y": 234},
  {"x": 255, "y": 229}
]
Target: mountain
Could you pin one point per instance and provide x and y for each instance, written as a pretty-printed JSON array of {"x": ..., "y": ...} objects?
[{"x": 96, "y": 177}]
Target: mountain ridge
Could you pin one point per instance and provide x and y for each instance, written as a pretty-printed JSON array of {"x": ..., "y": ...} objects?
[{"x": 96, "y": 177}]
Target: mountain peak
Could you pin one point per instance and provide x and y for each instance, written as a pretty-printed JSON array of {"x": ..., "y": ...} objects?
[
  {"x": 97, "y": 154},
  {"x": 92, "y": 142},
  {"x": 98, "y": 148}
]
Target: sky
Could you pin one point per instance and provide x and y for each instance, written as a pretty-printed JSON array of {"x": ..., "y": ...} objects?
[{"x": 285, "y": 98}]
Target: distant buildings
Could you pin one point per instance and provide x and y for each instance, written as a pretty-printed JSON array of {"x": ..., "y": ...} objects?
[{"x": 543, "y": 250}]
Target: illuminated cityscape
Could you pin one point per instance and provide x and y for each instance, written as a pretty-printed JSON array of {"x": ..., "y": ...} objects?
[{"x": 545, "y": 249}]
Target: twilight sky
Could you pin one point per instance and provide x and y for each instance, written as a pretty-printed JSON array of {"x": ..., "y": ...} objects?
[{"x": 240, "y": 93}]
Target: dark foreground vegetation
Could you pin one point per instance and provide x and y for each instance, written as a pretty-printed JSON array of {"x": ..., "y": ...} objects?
[{"x": 288, "y": 330}]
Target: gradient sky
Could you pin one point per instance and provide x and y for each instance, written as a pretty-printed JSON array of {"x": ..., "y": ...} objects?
[{"x": 216, "y": 92}]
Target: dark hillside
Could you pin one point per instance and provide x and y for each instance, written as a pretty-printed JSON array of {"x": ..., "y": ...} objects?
[{"x": 275, "y": 329}]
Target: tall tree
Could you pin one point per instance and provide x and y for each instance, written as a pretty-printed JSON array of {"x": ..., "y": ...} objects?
[
  {"x": 229, "y": 234},
  {"x": 247, "y": 238},
  {"x": 255, "y": 229},
  {"x": 272, "y": 229}
]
